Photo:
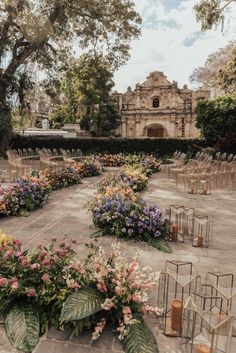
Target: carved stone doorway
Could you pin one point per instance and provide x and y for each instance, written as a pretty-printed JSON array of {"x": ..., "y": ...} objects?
[{"x": 156, "y": 131}]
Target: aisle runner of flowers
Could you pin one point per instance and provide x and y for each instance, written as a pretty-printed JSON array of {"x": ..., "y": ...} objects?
[
  {"x": 46, "y": 286},
  {"x": 29, "y": 193},
  {"x": 119, "y": 210}
]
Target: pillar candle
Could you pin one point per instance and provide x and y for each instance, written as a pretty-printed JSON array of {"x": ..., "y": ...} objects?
[
  {"x": 200, "y": 240},
  {"x": 174, "y": 230},
  {"x": 176, "y": 314},
  {"x": 203, "y": 348}
]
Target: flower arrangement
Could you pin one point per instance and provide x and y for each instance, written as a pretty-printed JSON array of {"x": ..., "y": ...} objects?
[
  {"x": 111, "y": 160},
  {"x": 135, "y": 177},
  {"x": 115, "y": 296},
  {"x": 26, "y": 194},
  {"x": 32, "y": 289},
  {"x": 62, "y": 177},
  {"x": 120, "y": 212},
  {"x": 43, "y": 286},
  {"x": 150, "y": 165},
  {"x": 113, "y": 186},
  {"x": 88, "y": 168}
]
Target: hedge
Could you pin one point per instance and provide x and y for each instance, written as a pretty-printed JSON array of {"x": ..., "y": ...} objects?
[{"x": 111, "y": 145}]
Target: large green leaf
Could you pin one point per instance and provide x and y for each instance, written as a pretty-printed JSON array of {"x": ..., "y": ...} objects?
[
  {"x": 82, "y": 304},
  {"x": 22, "y": 327},
  {"x": 160, "y": 244},
  {"x": 4, "y": 305},
  {"x": 140, "y": 338}
]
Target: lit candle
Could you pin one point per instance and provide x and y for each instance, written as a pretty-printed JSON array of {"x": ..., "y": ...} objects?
[
  {"x": 203, "y": 348},
  {"x": 222, "y": 317},
  {"x": 200, "y": 241},
  {"x": 176, "y": 314},
  {"x": 174, "y": 230}
]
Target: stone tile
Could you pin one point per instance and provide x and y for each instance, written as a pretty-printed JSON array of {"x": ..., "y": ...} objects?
[
  {"x": 83, "y": 339},
  {"x": 59, "y": 335}
]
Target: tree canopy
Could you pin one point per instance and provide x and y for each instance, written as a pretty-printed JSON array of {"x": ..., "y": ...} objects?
[
  {"x": 86, "y": 88},
  {"x": 219, "y": 72},
  {"x": 216, "y": 118},
  {"x": 44, "y": 32},
  {"x": 211, "y": 13}
]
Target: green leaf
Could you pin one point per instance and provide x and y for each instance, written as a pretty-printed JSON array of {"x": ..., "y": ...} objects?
[
  {"x": 160, "y": 244},
  {"x": 4, "y": 306},
  {"x": 82, "y": 304},
  {"x": 140, "y": 338},
  {"x": 22, "y": 327}
]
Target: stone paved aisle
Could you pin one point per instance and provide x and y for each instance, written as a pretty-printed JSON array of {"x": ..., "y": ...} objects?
[{"x": 66, "y": 216}]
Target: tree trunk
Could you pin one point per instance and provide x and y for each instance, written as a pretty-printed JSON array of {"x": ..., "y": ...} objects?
[{"x": 5, "y": 120}]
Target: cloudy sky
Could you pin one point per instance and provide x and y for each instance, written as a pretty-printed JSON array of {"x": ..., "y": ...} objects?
[{"x": 171, "y": 41}]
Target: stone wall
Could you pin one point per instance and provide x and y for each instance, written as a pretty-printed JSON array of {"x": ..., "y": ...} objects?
[{"x": 159, "y": 108}]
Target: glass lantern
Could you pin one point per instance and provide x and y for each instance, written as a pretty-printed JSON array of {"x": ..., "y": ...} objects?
[
  {"x": 175, "y": 217},
  {"x": 188, "y": 223},
  {"x": 192, "y": 186},
  {"x": 177, "y": 282},
  {"x": 225, "y": 287},
  {"x": 202, "y": 232},
  {"x": 206, "y": 328},
  {"x": 205, "y": 187}
]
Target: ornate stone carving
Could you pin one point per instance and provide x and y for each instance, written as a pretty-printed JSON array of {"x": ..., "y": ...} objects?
[{"x": 175, "y": 104}]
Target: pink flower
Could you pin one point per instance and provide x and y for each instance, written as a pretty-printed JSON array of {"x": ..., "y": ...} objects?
[
  {"x": 8, "y": 254},
  {"x": 133, "y": 266},
  {"x": 35, "y": 266},
  {"x": 63, "y": 253},
  {"x": 31, "y": 292},
  {"x": 15, "y": 285},
  {"x": 102, "y": 287},
  {"x": 45, "y": 262},
  {"x": 25, "y": 263},
  {"x": 19, "y": 253},
  {"x": 126, "y": 310},
  {"x": 119, "y": 291},
  {"x": 43, "y": 254},
  {"x": 45, "y": 278},
  {"x": 3, "y": 282},
  {"x": 72, "y": 284},
  {"x": 18, "y": 242},
  {"x": 136, "y": 298}
]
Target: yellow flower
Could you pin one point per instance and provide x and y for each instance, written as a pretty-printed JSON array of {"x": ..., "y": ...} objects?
[{"x": 4, "y": 237}]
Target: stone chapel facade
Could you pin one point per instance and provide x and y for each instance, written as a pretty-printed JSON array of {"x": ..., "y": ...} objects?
[{"x": 159, "y": 108}]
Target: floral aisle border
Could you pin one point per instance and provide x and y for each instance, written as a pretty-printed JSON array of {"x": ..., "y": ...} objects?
[
  {"x": 29, "y": 193},
  {"x": 46, "y": 286},
  {"x": 119, "y": 210}
]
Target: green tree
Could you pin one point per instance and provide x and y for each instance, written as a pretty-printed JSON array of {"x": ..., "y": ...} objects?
[
  {"x": 218, "y": 72},
  {"x": 88, "y": 101},
  {"x": 216, "y": 118},
  {"x": 226, "y": 76},
  {"x": 43, "y": 32},
  {"x": 98, "y": 111},
  {"x": 212, "y": 13}
]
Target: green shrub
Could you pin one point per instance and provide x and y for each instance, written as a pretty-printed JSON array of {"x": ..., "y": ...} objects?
[{"x": 160, "y": 146}]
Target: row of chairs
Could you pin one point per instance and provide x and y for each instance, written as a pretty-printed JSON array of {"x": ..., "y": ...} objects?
[
  {"x": 19, "y": 157},
  {"x": 203, "y": 172}
]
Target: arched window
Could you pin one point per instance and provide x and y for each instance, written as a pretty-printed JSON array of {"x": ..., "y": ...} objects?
[{"x": 155, "y": 103}]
